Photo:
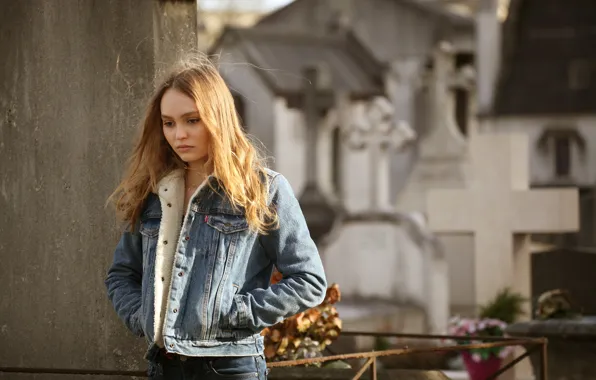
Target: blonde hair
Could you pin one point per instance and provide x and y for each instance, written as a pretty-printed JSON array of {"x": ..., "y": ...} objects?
[{"x": 237, "y": 166}]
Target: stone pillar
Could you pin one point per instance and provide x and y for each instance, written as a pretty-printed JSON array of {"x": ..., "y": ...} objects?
[
  {"x": 488, "y": 52},
  {"x": 175, "y": 31},
  {"x": 320, "y": 214},
  {"x": 74, "y": 78}
]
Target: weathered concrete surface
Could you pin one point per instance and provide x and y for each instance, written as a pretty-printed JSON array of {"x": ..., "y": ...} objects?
[
  {"x": 175, "y": 26},
  {"x": 73, "y": 77}
]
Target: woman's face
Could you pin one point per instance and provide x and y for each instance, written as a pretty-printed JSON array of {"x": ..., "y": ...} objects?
[{"x": 183, "y": 128}]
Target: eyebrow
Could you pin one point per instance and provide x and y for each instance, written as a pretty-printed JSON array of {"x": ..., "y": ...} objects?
[{"x": 184, "y": 115}]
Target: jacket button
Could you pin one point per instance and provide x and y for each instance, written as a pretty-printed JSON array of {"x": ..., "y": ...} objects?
[
  {"x": 175, "y": 310},
  {"x": 169, "y": 205},
  {"x": 171, "y": 345},
  {"x": 163, "y": 279},
  {"x": 187, "y": 238},
  {"x": 165, "y": 242},
  {"x": 181, "y": 274}
]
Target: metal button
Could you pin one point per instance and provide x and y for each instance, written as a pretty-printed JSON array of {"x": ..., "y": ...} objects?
[
  {"x": 171, "y": 345},
  {"x": 181, "y": 274},
  {"x": 228, "y": 224},
  {"x": 169, "y": 205},
  {"x": 163, "y": 279},
  {"x": 175, "y": 310},
  {"x": 187, "y": 238},
  {"x": 165, "y": 242}
]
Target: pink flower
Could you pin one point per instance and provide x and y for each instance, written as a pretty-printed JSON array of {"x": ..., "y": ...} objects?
[
  {"x": 506, "y": 351},
  {"x": 476, "y": 357}
]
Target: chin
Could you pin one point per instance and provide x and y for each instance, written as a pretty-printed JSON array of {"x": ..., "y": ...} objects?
[
  {"x": 188, "y": 157},
  {"x": 193, "y": 158}
]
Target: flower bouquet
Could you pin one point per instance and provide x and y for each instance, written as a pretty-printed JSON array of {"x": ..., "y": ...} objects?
[
  {"x": 475, "y": 329},
  {"x": 307, "y": 334},
  {"x": 494, "y": 317}
]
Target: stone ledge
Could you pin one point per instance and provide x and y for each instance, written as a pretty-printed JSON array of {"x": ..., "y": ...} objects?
[
  {"x": 580, "y": 328},
  {"x": 311, "y": 373}
]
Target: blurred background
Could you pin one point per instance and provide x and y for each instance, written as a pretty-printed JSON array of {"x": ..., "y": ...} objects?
[{"x": 443, "y": 151}]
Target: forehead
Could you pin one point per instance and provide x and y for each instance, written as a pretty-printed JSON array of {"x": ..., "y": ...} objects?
[{"x": 175, "y": 103}]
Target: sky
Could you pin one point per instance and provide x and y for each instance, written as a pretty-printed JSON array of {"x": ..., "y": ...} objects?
[
  {"x": 264, "y": 5},
  {"x": 269, "y": 5}
]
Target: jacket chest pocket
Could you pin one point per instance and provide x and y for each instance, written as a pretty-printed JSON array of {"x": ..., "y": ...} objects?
[
  {"x": 227, "y": 224},
  {"x": 226, "y": 230}
]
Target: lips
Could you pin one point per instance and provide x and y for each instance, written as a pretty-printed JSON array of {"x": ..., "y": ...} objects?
[{"x": 184, "y": 147}]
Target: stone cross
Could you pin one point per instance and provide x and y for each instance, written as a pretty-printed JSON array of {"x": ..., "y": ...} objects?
[
  {"x": 441, "y": 148},
  {"x": 441, "y": 82},
  {"x": 500, "y": 211},
  {"x": 381, "y": 133}
]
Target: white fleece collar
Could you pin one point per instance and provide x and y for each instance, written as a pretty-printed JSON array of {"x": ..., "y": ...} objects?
[{"x": 171, "y": 196}]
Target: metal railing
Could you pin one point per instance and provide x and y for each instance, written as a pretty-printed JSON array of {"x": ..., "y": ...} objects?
[{"x": 532, "y": 345}]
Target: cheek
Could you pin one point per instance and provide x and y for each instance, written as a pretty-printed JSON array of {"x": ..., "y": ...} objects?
[
  {"x": 169, "y": 136},
  {"x": 204, "y": 137}
]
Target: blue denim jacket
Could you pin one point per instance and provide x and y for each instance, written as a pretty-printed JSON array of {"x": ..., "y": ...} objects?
[{"x": 197, "y": 281}]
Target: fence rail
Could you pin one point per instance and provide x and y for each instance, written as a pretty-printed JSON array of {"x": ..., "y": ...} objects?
[{"x": 532, "y": 345}]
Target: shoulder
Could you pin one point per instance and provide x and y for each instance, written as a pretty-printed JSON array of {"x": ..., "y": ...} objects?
[
  {"x": 279, "y": 186},
  {"x": 273, "y": 180},
  {"x": 271, "y": 174}
]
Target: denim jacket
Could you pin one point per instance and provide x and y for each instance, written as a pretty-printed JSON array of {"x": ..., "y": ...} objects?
[{"x": 197, "y": 281}]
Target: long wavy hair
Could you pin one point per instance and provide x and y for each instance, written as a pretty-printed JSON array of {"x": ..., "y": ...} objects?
[{"x": 237, "y": 165}]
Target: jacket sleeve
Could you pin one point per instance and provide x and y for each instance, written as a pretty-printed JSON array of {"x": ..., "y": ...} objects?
[
  {"x": 295, "y": 255},
  {"x": 123, "y": 280}
]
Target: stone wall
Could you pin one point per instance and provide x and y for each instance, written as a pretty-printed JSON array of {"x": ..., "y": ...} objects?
[{"x": 73, "y": 80}]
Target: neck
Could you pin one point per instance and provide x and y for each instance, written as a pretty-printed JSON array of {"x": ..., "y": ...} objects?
[{"x": 196, "y": 173}]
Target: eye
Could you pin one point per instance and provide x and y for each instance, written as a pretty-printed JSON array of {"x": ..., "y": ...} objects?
[
  {"x": 193, "y": 121},
  {"x": 167, "y": 123}
]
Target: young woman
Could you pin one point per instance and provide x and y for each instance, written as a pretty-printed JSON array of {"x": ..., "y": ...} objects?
[{"x": 207, "y": 222}]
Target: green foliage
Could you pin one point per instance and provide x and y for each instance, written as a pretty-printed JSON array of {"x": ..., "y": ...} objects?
[
  {"x": 507, "y": 306},
  {"x": 381, "y": 344}
]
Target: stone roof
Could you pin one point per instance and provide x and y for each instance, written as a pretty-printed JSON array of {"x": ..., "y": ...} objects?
[
  {"x": 433, "y": 8},
  {"x": 280, "y": 57},
  {"x": 549, "y": 59}
]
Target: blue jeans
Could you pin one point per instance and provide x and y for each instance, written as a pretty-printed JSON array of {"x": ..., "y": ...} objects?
[{"x": 212, "y": 368}]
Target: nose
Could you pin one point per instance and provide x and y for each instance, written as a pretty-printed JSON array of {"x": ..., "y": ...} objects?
[{"x": 181, "y": 133}]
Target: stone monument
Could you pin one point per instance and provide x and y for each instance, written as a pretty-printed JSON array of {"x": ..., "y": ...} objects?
[
  {"x": 389, "y": 267},
  {"x": 500, "y": 210}
]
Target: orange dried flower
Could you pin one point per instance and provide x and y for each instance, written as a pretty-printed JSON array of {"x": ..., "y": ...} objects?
[{"x": 333, "y": 294}]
